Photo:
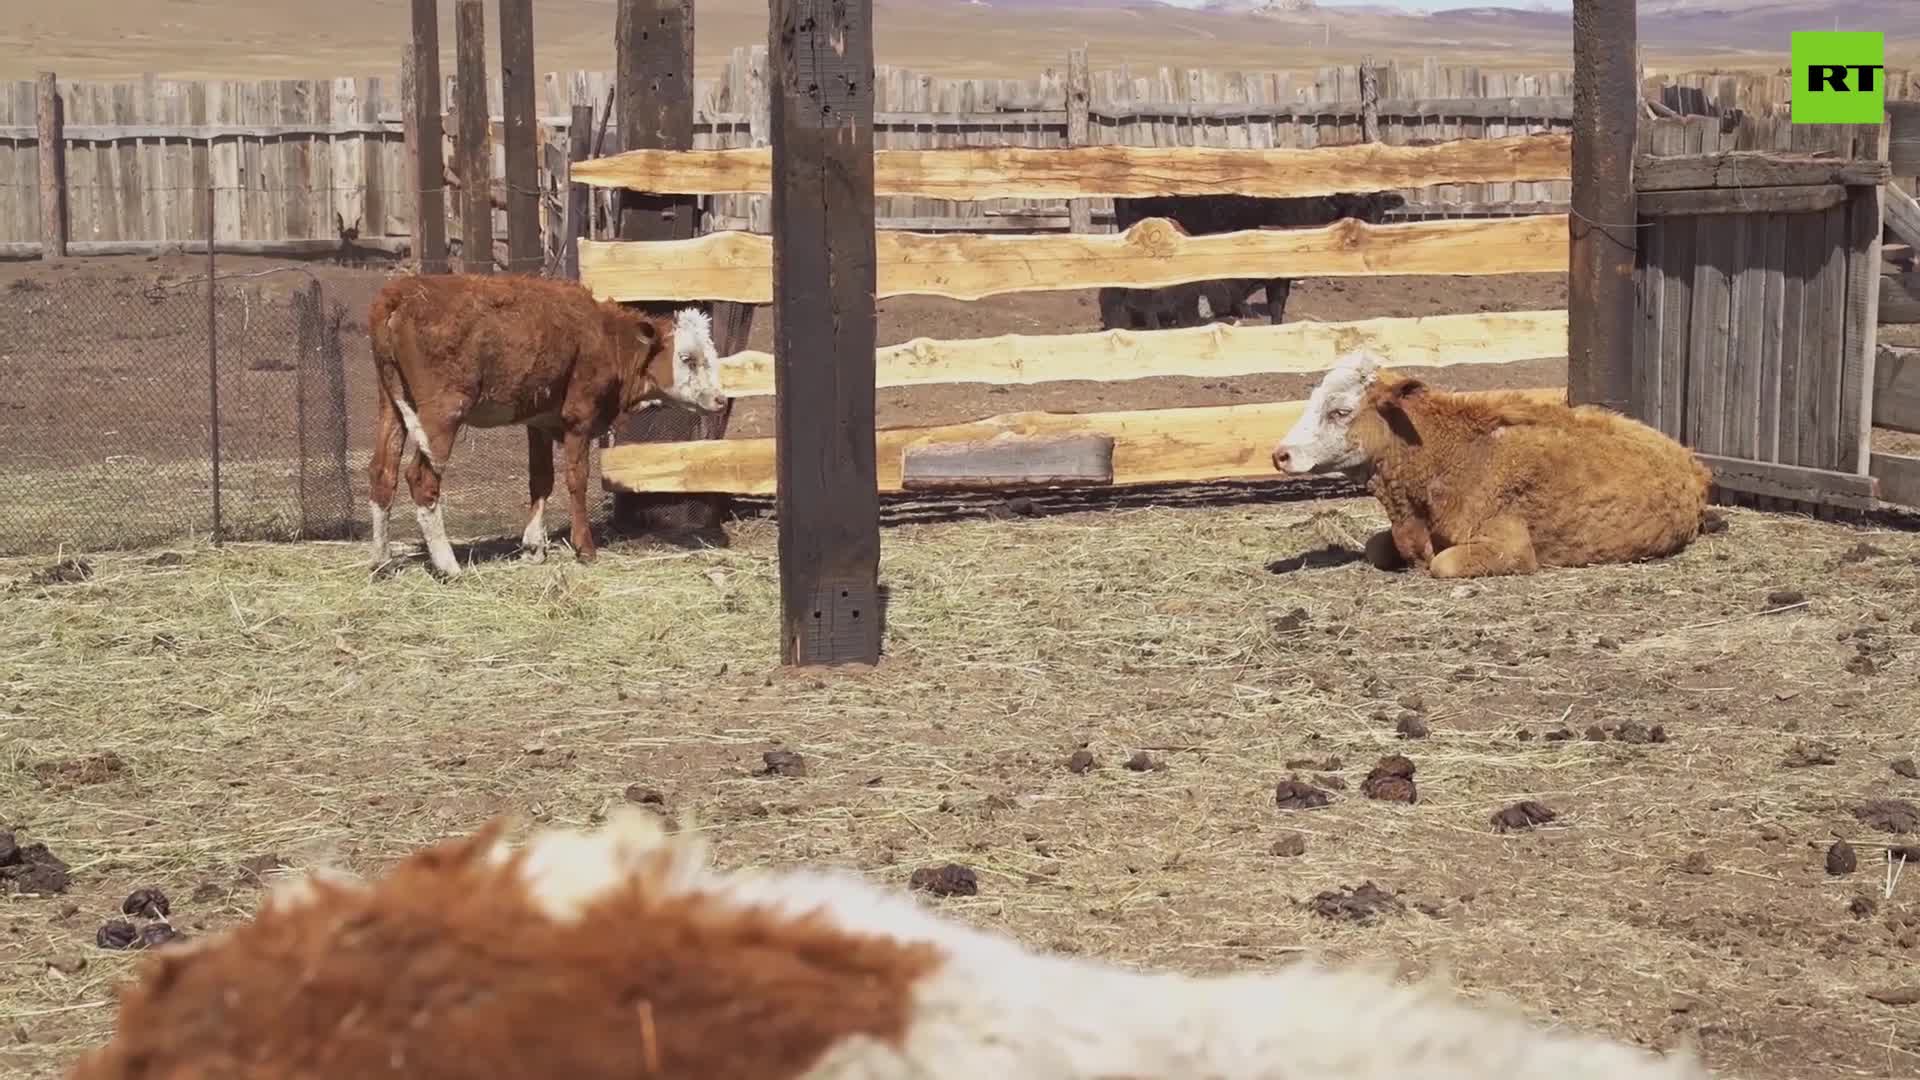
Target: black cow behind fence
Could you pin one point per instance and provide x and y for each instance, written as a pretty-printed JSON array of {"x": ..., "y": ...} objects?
[{"x": 1201, "y": 215}]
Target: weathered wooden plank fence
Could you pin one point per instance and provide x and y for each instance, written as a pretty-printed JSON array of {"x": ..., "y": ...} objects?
[{"x": 297, "y": 163}]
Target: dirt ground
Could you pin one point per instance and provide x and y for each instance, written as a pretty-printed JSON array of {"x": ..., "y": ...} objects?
[{"x": 1702, "y": 728}]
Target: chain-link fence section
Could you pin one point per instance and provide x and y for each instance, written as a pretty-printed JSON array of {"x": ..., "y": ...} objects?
[{"x": 110, "y": 400}]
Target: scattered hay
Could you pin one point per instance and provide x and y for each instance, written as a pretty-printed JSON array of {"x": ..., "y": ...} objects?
[{"x": 275, "y": 709}]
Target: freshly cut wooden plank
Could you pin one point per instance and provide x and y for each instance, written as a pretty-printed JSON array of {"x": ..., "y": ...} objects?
[
  {"x": 1231, "y": 442},
  {"x": 1217, "y": 351},
  {"x": 1800, "y": 199},
  {"x": 1153, "y": 253},
  {"x": 1821, "y": 486},
  {"x": 1008, "y": 460},
  {"x": 1021, "y": 172},
  {"x": 1751, "y": 168}
]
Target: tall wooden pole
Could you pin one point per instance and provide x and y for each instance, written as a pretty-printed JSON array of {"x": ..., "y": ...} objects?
[
  {"x": 423, "y": 117},
  {"x": 476, "y": 145},
  {"x": 825, "y": 271},
  {"x": 1600, "y": 272},
  {"x": 653, "y": 97},
  {"x": 52, "y": 141},
  {"x": 518, "y": 117}
]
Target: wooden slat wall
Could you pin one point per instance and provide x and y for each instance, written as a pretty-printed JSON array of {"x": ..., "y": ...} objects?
[
  {"x": 292, "y": 186},
  {"x": 1745, "y": 325}
]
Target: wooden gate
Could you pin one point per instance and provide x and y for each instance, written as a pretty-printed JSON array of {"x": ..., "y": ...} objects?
[{"x": 1758, "y": 297}]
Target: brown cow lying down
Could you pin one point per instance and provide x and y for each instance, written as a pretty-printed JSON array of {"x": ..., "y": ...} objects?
[
  {"x": 1482, "y": 484},
  {"x": 622, "y": 954},
  {"x": 489, "y": 351}
]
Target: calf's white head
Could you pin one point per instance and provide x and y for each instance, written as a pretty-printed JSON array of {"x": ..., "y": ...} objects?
[
  {"x": 1318, "y": 441},
  {"x": 696, "y": 363}
]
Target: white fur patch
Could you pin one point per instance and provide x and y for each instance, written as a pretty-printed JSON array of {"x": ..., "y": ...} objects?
[
  {"x": 534, "y": 536},
  {"x": 696, "y": 362},
  {"x": 433, "y": 528},
  {"x": 380, "y": 515},
  {"x": 1317, "y": 442},
  {"x": 414, "y": 431}
]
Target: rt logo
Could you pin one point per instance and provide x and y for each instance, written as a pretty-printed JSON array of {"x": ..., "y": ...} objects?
[{"x": 1839, "y": 77}]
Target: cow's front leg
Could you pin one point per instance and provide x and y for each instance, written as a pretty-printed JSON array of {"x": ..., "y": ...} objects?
[
  {"x": 424, "y": 479},
  {"x": 539, "y": 486},
  {"x": 1500, "y": 545},
  {"x": 574, "y": 446}
]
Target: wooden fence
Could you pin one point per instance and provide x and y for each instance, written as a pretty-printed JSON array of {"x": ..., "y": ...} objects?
[
  {"x": 1760, "y": 249},
  {"x": 304, "y": 167}
]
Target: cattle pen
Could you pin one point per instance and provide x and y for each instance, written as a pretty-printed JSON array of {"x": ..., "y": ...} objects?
[{"x": 1139, "y": 699}]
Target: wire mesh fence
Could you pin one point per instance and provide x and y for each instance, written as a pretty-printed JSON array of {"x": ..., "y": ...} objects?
[{"x": 114, "y": 385}]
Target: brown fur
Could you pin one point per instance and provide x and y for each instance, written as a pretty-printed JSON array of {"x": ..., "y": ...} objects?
[
  {"x": 447, "y": 969},
  {"x": 493, "y": 350},
  {"x": 1505, "y": 484}
]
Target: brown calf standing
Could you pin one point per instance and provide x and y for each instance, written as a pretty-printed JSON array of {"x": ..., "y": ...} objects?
[
  {"x": 1483, "y": 484},
  {"x": 489, "y": 351}
]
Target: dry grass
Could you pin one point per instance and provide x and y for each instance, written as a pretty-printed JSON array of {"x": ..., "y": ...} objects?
[{"x": 275, "y": 701}]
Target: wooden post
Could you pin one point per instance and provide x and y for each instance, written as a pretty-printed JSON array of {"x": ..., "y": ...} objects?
[
  {"x": 522, "y": 135},
  {"x": 579, "y": 209},
  {"x": 1369, "y": 101},
  {"x": 1079, "y": 103},
  {"x": 53, "y": 169},
  {"x": 424, "y": 123},
  {"x": 825, "y": 267},
  {"x": 476, "y": 148},
  {"x": 1600, "y": 269},
  {"x": 654, "y": 91}
]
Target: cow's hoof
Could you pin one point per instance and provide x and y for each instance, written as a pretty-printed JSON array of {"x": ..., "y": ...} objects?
[{"x": 533, "y": 555}]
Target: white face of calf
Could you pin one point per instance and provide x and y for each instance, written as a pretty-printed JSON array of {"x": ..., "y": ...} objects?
[
  {"x": 696, "y": 363},
  {"x": 1318, "y": 442}
]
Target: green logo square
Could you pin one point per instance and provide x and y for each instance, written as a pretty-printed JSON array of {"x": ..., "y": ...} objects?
[{"x": 1839, "y": 77}]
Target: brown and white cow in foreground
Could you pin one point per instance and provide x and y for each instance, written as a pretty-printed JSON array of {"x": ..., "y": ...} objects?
[
  {"x": 623, "y": 954},
  {"x": 1505, "y": 483},
  {"x": 490, "y": 351}
]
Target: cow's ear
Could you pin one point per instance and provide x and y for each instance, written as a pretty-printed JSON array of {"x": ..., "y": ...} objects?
[
  {"x": 647, "y": 332},
  {"x": 1405, "y": 389}
]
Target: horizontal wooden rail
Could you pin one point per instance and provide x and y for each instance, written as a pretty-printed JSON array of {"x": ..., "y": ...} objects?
[
  {"x": 1020, "y": 172},
  {"x": 1799, "y": 199},
  {"x": 386, "y": 245},
  {"x": 202, "y": 132},
  {"x": 1057, "y": 220},
  {"x": 1796, "y": 482},
  {"x": 1155, "y": 446},
  {"x": 1211, "y": 352},
  {"x": 1751, "y": 169},
  {"x": 738, "y": 266}
]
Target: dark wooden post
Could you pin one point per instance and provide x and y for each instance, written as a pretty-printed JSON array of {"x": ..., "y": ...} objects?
[
  {"x": 1079, "y": 103},
  {"x": 1369, "y": 101},
  {"x": 654, "y": 91},
  {"x": 824, "y": 278},
  {"x": 579, "y": 209},
  {"x": 423, "y": 120},
  {"x": 52, "y": 143},
  {"x": 523, "y": 137},
  {"x": 476, "y": 146},
  {"x": 1600, "y": 278}
]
